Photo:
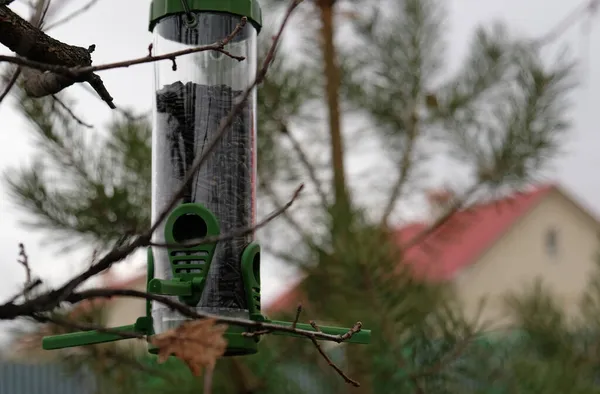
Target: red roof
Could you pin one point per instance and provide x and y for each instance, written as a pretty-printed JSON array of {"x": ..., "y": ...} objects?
[
  {"x": 288, "y": 301},
  {"x": 454, "y": 245},
  {"x": 466, "y": 235}
]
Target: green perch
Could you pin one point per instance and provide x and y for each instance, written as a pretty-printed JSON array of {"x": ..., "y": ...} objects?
[{"x": 187, "y": 284}]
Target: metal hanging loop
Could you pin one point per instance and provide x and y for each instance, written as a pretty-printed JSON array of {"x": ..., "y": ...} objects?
[{"x": 191, "y": 18}]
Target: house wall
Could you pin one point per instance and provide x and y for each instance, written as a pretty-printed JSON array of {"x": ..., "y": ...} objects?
[
  {"x": 521, "y": 256},
  {"x": 125, "y": 310}
]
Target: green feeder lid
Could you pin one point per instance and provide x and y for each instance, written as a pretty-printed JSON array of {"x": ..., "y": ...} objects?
[{"x": 248, "y": 8}]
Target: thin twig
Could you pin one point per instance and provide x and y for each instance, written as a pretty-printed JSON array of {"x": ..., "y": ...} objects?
[
  {"x": 298, "y": 311},
  {"x": 71, "y": 113},
  {"x": 312, "y": 173},
  {"x": 24, "y": 261},
  {"x": 72, "y": 15},
  {"x": 313, "y": 324},
  {"x": 191, "y": 313},
  {"x": 332, "y": 364},
  {"x": 11, "y": 82},
  {"x": 236, "y": 233},
  {"x": 80, "y": 74},
  {"x": 254, "y": 334},
  {"x": 410, "y": 121},
  {"x": 355, "y": 329},
  {"x": 258, "y": 333},
  {"x": 586, "y": 8},
  {"x": 306, "y": 237},
  {"x": 26, "y": 290}
]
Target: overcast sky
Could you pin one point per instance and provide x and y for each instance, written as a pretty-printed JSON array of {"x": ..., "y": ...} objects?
[{"x": 119, "y": 30}]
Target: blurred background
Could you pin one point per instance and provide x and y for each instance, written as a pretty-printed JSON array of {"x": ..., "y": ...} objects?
[{"x": 448, "y": 151}]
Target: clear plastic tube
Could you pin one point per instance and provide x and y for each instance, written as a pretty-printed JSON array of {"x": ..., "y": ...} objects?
[{"x": 190, "y": 103}]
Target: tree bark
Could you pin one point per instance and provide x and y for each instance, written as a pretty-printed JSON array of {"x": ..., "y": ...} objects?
[
  {"x": 31, "y": 43},
  {"x": 332, "y": 87}
]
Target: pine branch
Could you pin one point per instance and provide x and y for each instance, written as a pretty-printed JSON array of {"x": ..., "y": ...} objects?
[
  {"x": 84, "y": 187},
  {"x": 405, "y": 163}
]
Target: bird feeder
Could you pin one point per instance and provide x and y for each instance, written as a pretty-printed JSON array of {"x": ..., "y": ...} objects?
[{"x": 193, "y": 94}]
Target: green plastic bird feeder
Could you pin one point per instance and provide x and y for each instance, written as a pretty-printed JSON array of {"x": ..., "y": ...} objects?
[{"x": 192, "y": 97}]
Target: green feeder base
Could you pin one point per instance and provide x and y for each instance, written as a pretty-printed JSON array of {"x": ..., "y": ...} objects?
[{"x": 188, "y": 288}]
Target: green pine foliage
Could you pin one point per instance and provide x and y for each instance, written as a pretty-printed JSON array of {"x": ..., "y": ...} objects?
[
  {"x": 501, "y": 117},
  {"x": 83, "y": 186}
]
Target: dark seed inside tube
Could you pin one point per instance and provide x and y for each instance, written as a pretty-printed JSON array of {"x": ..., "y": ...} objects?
[{"x": 189, "y": 117}]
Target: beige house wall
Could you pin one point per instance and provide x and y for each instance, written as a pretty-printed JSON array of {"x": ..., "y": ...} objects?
[
  {"x": 521, "y": 256},
  {"x": 126, "y": 310}
]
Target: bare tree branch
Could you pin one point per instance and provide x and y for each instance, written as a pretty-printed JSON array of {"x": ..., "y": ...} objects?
[
  {"x": 80, "y": 73},
  {"x": 71, "y": 113},
  {"x": 312, "y": 173},
  {"x": 405, "y": 164},
  {"x": 191, "y": 313},
  {"x": 32, "y": 44},
  {"x": 37, "y": 18},
  {"x": 328, "y": 360},
  {"x": 259, "y": 328},
  {"x": 587, "y": 8},
  {"x": 11, "y": 82}
]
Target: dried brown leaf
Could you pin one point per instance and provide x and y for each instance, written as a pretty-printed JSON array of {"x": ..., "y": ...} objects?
[{"x": 197, "y": 343}]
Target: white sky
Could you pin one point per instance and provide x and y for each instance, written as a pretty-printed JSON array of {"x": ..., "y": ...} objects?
[{"x": 119, "y": 30}]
